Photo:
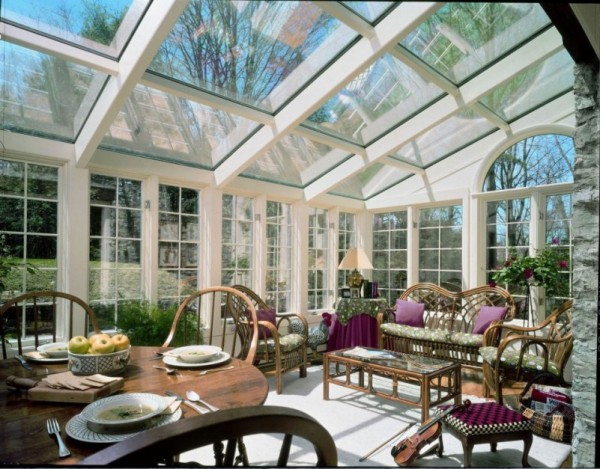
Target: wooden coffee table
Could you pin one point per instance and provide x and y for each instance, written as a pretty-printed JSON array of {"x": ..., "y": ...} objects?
[{"x": 436, "y": 381}]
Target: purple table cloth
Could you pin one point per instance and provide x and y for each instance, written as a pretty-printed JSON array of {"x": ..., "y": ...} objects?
[{"x": 360, "y": 330}]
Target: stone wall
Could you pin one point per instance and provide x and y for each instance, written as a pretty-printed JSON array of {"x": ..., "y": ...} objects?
[{"x": 585, "y": 262}]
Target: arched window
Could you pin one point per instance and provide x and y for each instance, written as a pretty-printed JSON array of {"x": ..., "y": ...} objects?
[{"x": 534, "y": 217}]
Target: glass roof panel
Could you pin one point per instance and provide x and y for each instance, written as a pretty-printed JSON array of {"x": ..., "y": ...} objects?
[
  {"x": 259, "y": 53},
  {"x": 370, "y": 11},
  {"x": 103, "y": 26},
  {"x": 44, "y": 95},
  {"x": 462, "y": 38},
  {"x": 385, "y": 94},
  {"x": 444, "y": 139},
  {"x": 370, "y": 182},
  {"x": 295, "y": 161},
  {"x": 157, "y": 125},
  {"x": 532, "y": 88}
]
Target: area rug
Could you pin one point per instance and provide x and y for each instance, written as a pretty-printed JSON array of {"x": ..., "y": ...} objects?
[{"x": 359, "y": 423}]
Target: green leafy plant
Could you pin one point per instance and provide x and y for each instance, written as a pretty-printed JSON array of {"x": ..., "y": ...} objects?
[
  {"x": 9, "y": 263},
  {"x": 543, "y": 270},
  {"x": 146, "y": 323}
]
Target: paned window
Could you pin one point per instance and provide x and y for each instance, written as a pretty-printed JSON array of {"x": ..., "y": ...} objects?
[
  {"x": 558, "y": 235},
  {"x": 237, "y": 240},
  {"x": 115, "y": 245},
  {"x": 318, "y": 254},
  {"x": 440, "y": 246},
  {"x": 178, "y": 243},
  {"x": 28, "y": 227},
  {"x": 279, "y": 256},
  {"x": 346, "y": 240},
  {"x": 390, "y": 260}
]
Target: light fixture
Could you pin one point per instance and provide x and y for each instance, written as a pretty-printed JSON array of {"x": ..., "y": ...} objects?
[{"x": 355, "y": 259}]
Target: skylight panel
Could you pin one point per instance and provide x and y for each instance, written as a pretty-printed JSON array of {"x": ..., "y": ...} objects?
[
  {"x": 461, "y": 39},
  {"x": 444, "y": 139},
  {"x": 103, "y": 26},
  {"x": 532, "y": 88},
  {"x": 295, "y": 161},
  {"x": 258, "y": 53},
  {"x": 44, "y": 95},
  {"x": 157, "y": 125},
  {"x": 371, "y": 181},
  {"x": 370, "y": 11},
  {"x": 381, "y": 97}
]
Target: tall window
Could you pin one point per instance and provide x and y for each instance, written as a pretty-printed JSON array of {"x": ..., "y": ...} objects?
[
  {"x": 318, "y": 253},
  {"x": 541, "y": 160},
  {"x": 28, "y": 227},
  {"x": 178, "y": 243},
  {"x": 346, "y": 240},
  {"x": 115, "y": 245},
  {"x": 440, "y": 246},
  {"x": 237, "y": 241},
  {"x": 390, "y": 260},
  {"x": 279, "y": 256}
]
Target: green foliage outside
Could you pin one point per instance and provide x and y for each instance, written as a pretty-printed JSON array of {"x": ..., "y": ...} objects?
[{"x": 146, "y": 323}]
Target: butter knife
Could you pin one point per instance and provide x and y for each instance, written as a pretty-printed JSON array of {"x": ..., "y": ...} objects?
[
  {"x": 190, "y": 404},
  {"x": 23, "y": 362}
]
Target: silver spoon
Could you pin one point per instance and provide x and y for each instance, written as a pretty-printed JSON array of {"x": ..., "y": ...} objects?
[
  {"x": 202, "y": 373},
  {"x": 194, "y": 397},
  {"x": 170, "y": 371}
]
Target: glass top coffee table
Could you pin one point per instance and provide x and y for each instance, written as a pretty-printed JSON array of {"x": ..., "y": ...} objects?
[{"x": 409, "y": 379}]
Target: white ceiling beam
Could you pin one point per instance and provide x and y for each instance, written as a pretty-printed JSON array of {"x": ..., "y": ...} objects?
[
  {"x": 346, "y": 16},
  {"x": 202, "y": 97},
  {"x": 329, "y": 140},
  {"x": 46, "y": 45},
  {"x": 347, "y": 169},
  {"x": 38, "y": 148},
  {"x": 411, "y": 168},
  {"x": 152, "y": 31},
  {"x": 490, "y": 116},
  {"x": 391, "y": 30}
]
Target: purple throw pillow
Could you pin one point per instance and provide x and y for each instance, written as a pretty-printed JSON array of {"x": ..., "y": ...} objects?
[
  {"x": 486, "y": 315},
  {"x": 410, "y": 313},
  {"x": 265, "y": 315}
]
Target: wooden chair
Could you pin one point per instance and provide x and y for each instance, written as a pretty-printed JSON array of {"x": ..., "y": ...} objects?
[
  {"x": 232, "y": 322},
  {"x": 35, "y": 314},
  {"x": 525, "y": 352},
  {"x": 286, "y": 352},
  {"x": 163, "y": 444}
]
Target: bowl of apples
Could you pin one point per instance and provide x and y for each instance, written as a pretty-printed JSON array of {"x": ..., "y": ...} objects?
[{"x": 99, "y": 353}]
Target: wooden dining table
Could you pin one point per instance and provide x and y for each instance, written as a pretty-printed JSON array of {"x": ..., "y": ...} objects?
[{"x": 25, "y": 440}]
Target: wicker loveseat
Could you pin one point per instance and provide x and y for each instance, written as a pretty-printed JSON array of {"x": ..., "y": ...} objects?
[{"x": 448, "y": 322}]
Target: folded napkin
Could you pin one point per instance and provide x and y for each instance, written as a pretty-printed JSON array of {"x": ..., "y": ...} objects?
[
  {"x": 68, "y": 380},
  {"x": 172, "y": 405},
  {"x": 37, "y": 355}
]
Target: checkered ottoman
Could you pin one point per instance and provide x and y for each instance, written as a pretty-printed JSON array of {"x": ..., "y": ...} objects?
[{"x": 486, "y": 422}]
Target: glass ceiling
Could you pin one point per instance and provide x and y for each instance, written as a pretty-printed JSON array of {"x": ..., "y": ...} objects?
[{"x": 344, "y": 98}]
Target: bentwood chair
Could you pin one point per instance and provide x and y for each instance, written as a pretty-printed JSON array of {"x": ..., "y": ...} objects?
[
  {"x": 36, "y": 315},
  {"x": 163, "y": 445},
  {"x": 284, "y": 350},
  {"x": 526, "y": 352},
  {"x": 231, "y": 317}
]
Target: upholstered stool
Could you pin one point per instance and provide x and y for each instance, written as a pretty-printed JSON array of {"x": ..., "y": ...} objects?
[{"x": 486, "y": 422}]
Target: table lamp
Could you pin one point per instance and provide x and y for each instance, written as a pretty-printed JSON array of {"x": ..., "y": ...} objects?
[{"x": 355, "y": 259}]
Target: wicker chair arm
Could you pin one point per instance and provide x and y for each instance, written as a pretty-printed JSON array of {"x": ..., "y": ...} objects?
[
  {"x": 385, "y": 316},
  {"x": 500, "y": 327},
  {"x": 288, "y": 317}
]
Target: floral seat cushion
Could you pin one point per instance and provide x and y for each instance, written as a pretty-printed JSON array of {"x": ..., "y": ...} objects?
[
  {"x": 510, "y": 359},
  {"x": 287, "y": 343},
  {"x": 421, "y": 333},
  {"x": 465, "y": 338}
]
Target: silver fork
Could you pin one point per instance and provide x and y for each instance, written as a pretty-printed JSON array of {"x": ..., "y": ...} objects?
[{"x": 54, "y": 429}]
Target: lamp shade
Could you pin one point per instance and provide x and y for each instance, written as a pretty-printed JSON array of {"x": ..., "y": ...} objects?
[{"x": 355, "y": 258}]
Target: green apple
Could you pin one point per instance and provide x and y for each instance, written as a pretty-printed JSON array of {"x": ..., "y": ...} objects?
[
  {"x": 103, "y": 345},
  {"x": 121, "y": 342},
  {"x": 79, "y": 345}
]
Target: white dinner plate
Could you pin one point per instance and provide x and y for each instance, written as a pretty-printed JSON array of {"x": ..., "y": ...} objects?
[
  {"x": 176, "y": 362},
  {"x": 43, "y": 359},
  {"x": 77, "y": 428}
]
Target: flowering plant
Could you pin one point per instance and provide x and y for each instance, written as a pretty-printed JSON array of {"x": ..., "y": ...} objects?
[{"x": 542, "y": 270}]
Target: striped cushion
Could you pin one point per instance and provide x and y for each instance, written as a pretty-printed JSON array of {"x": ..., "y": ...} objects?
[{"x": 485, "y": 418}]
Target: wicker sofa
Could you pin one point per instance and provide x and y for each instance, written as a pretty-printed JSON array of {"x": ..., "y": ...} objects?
[{"x": 448, "y": 322}]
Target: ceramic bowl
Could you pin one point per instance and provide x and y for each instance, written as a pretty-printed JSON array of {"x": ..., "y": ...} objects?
[
  {"x": 106, "y": 364},
  {"x": 54, "y": 350},
  {"x": 199, "y": 353}
]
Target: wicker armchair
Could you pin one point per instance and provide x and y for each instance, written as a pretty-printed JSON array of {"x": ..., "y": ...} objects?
[
  {"x": 286, "y": 352},
  {"x": 41, "y": 310},
  {"x": 525, "y": 352}
]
